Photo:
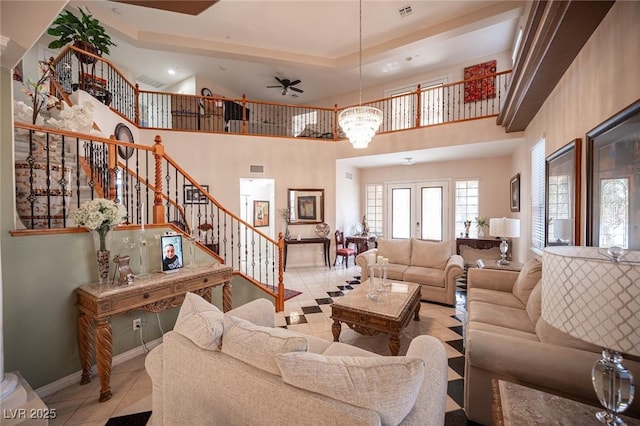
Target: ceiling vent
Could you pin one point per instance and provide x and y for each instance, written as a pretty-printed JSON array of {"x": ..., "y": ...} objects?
[
  {"x": 256, "y": 168},
  {"x": 150, "y": 81},
  {"x": 405, "y": 11}
]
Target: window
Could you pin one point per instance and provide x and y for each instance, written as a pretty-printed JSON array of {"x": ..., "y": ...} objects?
[
  {"x": 559, "y": 199},
  {"x": 466, "y": 203},
  {"x": 373, "y": 208},
  {"x": 537, "y": 196}
]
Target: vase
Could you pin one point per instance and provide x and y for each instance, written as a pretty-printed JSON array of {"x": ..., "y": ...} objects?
[
  {"x": 480, "y": 233},
  {"x": 42, "y": 183},
  {"x": 287, "y": 235},
  {"x": 102, "y": 245}
]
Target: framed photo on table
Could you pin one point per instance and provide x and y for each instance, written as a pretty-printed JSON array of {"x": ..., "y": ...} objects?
[
  {"x": 260, "y": 213},
  {"x": 514, "y": 191},
  {"x": 192, "y": 194}
]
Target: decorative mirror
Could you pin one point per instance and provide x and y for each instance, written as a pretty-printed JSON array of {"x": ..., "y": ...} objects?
[
  {"x": 123, "y": 133},
  {"x": 306, "y": 205},
  {"x": 563, "y": 195},
  {"x": 613, "y": 176}
]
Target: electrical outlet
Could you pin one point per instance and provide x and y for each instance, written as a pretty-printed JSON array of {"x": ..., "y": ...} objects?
[{"x": 137, "y": 323}]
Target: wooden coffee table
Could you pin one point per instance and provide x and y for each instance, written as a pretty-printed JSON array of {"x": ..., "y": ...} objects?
[{"x": 389, "y": 314}]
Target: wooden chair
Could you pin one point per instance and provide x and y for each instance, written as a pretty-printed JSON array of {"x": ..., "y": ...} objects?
[{"x": 343, "y": 250}]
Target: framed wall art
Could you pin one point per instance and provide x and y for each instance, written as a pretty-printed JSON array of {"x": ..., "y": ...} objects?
[
  {"x": 480, "y": 89},
  {"x": 260, "y": 213},
  {"x": 306, "y": 205},
  {"x": 192, "y": 194},
  {"x": 514, "y": 191}
]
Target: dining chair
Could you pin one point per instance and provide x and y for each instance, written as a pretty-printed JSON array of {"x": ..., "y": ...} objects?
[{"x": 343, "y": 250}]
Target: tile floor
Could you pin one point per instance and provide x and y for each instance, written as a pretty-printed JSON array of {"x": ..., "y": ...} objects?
[{"x": 308, "y": 313}]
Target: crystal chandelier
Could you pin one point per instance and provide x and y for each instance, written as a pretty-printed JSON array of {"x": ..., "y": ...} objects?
[{"x": 360, "y": 123}]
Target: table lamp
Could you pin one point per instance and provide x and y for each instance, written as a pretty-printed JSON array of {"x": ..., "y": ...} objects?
[
  {"x": 562, "y": 230},
  {"x": 504, "y": 228},
  {"x": 592, "y": 294}
]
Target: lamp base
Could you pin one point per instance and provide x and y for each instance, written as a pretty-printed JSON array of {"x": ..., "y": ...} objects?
[
  {"x": 504, "y": 248},
  {"x": 614, "y": 387}
]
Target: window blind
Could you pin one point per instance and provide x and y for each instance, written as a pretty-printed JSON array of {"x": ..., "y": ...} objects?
[{"x": 537, "y": 196}]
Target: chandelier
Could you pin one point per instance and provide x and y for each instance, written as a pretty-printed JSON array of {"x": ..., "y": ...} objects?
[{"x": 360, "y": 123}]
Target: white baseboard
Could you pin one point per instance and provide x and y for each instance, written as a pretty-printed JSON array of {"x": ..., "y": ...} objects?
[{"x": 74, "y": 378}]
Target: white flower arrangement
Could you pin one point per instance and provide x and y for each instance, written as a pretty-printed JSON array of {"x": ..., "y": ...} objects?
[
  {"x": 100, "y": 215},
  {"x": 77, "y": 118}
]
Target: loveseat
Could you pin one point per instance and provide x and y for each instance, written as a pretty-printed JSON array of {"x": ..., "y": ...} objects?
[
  {"x": 238, "y": 369},
  {"x": 430, "y": 264},
  {"x": 506, "y": 338}
]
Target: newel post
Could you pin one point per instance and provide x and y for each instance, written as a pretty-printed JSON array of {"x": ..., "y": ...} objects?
[
  {"x": 419, "y": 109},
  {"x": 158, "y": 155},
  {"x": 280, "y": 296},
  {"x": 112, "y": 163}
]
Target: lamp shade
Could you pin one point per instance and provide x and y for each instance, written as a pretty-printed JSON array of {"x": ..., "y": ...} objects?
[
  {"x": 562, "y": 229},
  {"x": 591, "y": 297},
  {"x": 504, "y": 228}
]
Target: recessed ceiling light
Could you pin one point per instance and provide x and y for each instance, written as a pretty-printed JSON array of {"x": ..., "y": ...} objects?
[
  {"x": 116, "y": 11},
  {"x": 171, "y": 71}
]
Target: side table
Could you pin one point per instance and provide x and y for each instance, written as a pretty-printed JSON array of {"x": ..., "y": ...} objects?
[
  {"x": 519, "y": 405},
  {"x": 492, "y": 264}
]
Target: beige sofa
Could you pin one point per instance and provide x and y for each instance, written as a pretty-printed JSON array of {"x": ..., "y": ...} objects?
[
  {"x": 430, "y": 264},
  {"x": 238, "y": 369},
  {"x": 506, "y": 338}
]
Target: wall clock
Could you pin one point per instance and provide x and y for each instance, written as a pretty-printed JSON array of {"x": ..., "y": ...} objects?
[{"x": 122, "y": 133}]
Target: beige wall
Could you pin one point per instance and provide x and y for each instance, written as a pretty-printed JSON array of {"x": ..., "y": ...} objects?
[{"x": 601, "y": 81}]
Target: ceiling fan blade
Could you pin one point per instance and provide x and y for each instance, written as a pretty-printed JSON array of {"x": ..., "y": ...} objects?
[
  {"x": 295, "y": 89},
  {"x": 280, "y": 81},
  {"x": 293, "y": 83},
  {"x": 269, "y": 87}
]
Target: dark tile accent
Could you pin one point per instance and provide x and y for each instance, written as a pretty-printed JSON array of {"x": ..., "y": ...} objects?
[
  {"x": 138, "y": 419},
  {"x": 345, "y": 287},
  {"x": 455, "y": 390},
  {"x": 460, "y": 317},
  {"x": 456, "y": 418},
  {"x": 353, "y": 282},
  {"x": 457, "y": 365},
  {"x": 324, "y": 301},
  {"x": 311, "y": 309},
  {"x": 458, "y": 345},
  {"x": 457, "y": 329},
  {"x": 335, "y": 293},
  {"x": 301, "y": 320}
]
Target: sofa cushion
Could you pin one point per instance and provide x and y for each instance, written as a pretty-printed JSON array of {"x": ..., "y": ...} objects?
[
  {"x": 425, "y": 276},
  {"x": 534, "y": 304},
  {"x": 527, "y": 279},
  {"x": 397, "y": 251},
  {"x": 396, "y": 271},
  {"x": 388, "y": 385},
  {"x": 200, "y": 322},
  {"x": 549, "y": 334},
  {"x": 496, "y": 297},
  {"x": 503, "y": 316},
  {"x": 430, "y": 254},
  {"x": 258, "y": 346}
]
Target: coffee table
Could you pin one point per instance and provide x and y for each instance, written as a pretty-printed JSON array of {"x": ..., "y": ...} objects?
[{"x": 389, "y": 314}]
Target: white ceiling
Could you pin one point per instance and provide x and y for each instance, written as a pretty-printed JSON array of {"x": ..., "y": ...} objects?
[{"x": 242, "y": 45}]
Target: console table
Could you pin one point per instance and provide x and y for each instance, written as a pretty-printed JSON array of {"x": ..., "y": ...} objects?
[
  {"x": 97, "y": 303},
  {"x": 361, "y": 241},
  {"x": 326, "y": 246}
]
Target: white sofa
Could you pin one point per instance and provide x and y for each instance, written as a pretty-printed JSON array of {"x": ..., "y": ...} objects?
[
  {"x": 238, "y": 369},
  {"x": 430, "y": 264}
]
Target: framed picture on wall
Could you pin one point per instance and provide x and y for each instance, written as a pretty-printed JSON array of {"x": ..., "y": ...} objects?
[
  {"x": 307, "y": 207},
  {"x": 260, "y": 213},
  {"x": 192, "y": 194},
  {"x": 515, "y": 193}
]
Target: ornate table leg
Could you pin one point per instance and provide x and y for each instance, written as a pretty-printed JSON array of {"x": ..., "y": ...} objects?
[
  {"x": 85, "y": 346},
  {"x": 416, "y": 314},
  {"x": 336, "y": 328},
  {"x": 226, "y": 297},
  {"x": 394, "y": 344},
  {"x": 104, "y": 353}
]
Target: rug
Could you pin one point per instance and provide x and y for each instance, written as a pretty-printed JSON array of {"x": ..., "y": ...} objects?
[
  {"x": 290, "y": 294},
  {"x": 138, "y": 419},
  {"x": 482, "y": 88}
]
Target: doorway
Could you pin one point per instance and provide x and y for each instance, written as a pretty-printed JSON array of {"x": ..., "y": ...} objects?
[
  {"x": 418, "y": 210},
  {"x": 257, "y": 204}
]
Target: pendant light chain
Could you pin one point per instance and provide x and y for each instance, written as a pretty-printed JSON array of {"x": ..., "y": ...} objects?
[{"x": 360, "y": 58}]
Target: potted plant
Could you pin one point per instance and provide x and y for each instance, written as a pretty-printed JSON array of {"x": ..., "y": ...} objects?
[
  {"x": 481, "y": 223},
  {"x": 85, "y": 33}
]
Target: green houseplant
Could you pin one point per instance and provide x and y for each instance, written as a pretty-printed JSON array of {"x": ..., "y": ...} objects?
[{"x": 85, "y": 33}]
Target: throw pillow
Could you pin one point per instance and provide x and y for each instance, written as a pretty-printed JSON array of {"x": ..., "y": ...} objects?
[
  {"x": 200, "y": 322},
  {"x": 397, "y": 251},
  {"x": 534, "y": 304},
  {"x": 527, "y": 279},
  {"x": 429, "y": 254},
  {"x": 387, "y": 385},
  {"x": 257, "y": 345}
]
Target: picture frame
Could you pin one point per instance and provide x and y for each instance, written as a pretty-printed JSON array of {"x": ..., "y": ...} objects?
[
  {"x": 613, "y": 153},
  {"x": 171, "y": 264},
  {"x": 514, "y": 191},
  {"x": 307, "y": 207},
  {"x": 260, "y": 213},
  {"x": 192, "y": 194}
]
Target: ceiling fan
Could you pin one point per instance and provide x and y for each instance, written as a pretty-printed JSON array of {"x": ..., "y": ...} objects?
[{"x": 286, "y": 84}]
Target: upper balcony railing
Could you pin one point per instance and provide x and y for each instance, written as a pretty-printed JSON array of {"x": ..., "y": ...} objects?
[{"x": 471, "y": 99}]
